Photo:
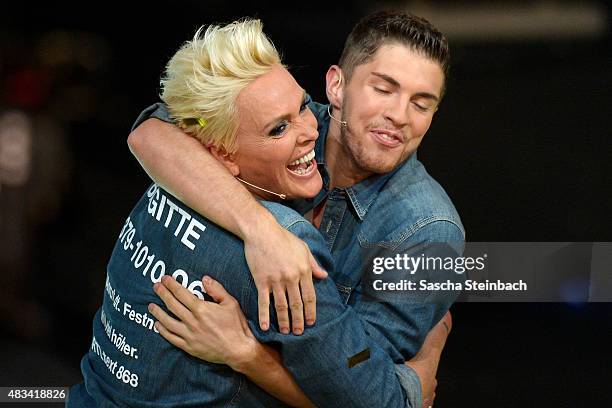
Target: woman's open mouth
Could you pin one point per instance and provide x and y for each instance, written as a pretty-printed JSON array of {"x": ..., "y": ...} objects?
[{"x": 303, "y": 166}]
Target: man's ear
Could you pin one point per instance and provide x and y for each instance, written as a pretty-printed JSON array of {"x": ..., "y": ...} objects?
[
  {"x": 225, "y": 158},
  {"x": 334, "y": 86}
]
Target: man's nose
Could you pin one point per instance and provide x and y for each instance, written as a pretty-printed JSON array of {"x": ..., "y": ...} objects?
[{"x": 398, "y": 113}]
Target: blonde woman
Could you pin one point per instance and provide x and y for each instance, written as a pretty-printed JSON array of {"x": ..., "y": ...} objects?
[{"x": 228, "y": 88}]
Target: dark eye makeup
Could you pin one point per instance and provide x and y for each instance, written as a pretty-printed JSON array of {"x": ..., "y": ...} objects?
[{"x": 282, "y": 126}]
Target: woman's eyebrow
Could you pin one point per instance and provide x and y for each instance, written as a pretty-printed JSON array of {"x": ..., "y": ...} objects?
[
  {"x": 286, "y": 116},
  {"x": 276, "y": 120}
]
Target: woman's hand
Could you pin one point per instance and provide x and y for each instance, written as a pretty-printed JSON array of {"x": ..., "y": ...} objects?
[{"x": 214, "y": 332}]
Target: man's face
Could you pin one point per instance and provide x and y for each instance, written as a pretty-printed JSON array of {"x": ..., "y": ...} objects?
[{"x": 388, "y": 105}]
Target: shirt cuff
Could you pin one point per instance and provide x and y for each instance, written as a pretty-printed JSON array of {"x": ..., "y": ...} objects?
[
  {"x": 410, "y": 382},
  {"x": 158, "y": 111}
]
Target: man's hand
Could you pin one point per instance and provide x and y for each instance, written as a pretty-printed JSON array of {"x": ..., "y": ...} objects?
[
  {"x": 216, "y": 332},
  {"x": 426, "y": 361},
  {"x": 282, "y": 264},
  {"x": 426, "y": 370}
]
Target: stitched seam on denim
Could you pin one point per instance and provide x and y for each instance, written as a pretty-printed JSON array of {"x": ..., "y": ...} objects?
[
  {"x": 235, "y": 396},
  {"x": 408, "y": 233},
  {"x": 355, "y": 202},
  {"x": 335, "y": 234},
  {"x": 415, "y": 228},
  {"x": 431, "y": 220},
  {"x": 293, "y": 222},
  {"x": 393, "y": 244}
]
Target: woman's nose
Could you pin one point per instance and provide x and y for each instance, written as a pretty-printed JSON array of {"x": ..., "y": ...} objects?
[{"x": 308, "y": 129}]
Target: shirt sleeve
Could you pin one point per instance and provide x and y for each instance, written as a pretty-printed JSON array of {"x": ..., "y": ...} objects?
[
  {"x": 411, "y": 384},
  {"x": 157, "y": 111},
  {"x": 335, "y": 362},
  {"x": 400, "y": 319}
]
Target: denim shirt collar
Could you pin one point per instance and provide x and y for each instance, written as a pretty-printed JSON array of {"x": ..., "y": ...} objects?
[{"x": 361, "y": 195}]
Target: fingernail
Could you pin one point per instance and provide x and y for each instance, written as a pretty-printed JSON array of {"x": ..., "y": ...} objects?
[
  {"x": 150, "y": 307},
  {"x": 207, "y": 280},
  {"x": 264, "y": 326},
  {"x": 310, "y": 322},
  {"x": 297, "y": 332},
  {"x": 155, "y": 287},
  {"x": 284, "y": 330}
]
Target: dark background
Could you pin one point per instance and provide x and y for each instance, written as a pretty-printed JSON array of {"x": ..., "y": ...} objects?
[{"x": 520, "y": 143}]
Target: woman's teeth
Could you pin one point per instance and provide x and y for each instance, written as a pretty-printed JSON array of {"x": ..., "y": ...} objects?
[
  {"x": 304, "y": 159},
  {"x": 303, "y": 168},
  {"x": 302, "y": 165}
]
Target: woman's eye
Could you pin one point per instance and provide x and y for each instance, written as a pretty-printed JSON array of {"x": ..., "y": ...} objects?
[
  {"x": 307, "y": 100},
  {"x": 279, "y": 129}
]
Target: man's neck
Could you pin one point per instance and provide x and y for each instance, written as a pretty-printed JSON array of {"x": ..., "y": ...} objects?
[{"x": 342, "y": 169}]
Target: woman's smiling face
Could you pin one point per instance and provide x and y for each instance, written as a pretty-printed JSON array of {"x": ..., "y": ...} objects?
[{"x": 276, "y": 137}]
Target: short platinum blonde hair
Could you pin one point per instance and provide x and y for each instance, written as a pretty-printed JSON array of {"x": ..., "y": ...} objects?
[{"x": 205, "y": 76}]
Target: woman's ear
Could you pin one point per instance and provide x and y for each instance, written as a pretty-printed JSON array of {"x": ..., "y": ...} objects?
[
  {"x": 225, "y": 158},
  {"x": 334, "y": 86}
]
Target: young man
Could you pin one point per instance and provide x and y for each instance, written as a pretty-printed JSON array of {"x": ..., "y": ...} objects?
[{"x": 377, "y": 197}]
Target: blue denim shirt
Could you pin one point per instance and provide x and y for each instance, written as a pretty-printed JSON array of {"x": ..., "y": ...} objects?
[
  {"x": 129, "y": 364},
  {"x": 402, "y": 212}
]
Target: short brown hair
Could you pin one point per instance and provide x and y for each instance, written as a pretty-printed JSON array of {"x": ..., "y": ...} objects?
[{"x": 378, "y": 29}]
